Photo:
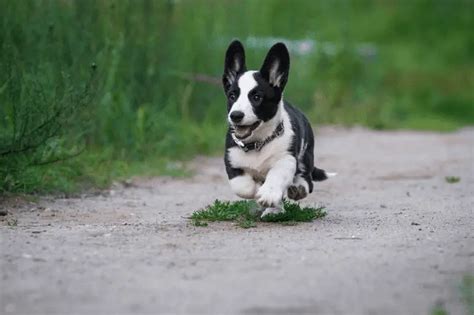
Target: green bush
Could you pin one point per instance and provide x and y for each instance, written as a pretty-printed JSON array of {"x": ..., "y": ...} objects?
[{"x": 136, "y": 82}]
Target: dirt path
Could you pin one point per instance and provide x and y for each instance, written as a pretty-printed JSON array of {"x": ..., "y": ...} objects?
[{"x": 396, "y": 240}]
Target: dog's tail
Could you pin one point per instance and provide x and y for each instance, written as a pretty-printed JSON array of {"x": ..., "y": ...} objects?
[{"x": 320, "y": 175}]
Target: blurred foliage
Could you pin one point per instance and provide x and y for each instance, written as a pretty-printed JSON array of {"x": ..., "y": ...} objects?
[{"x": 132, "y": 82}]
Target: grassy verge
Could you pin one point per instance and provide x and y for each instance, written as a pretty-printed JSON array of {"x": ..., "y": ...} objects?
[
  {"x": 246, "y": 214},
  {"x": 467, "y": 292},
  {"x": 85, "y": 172},
  {"x": 452, "y": 179},
  {"x": 132, "y": 80}
]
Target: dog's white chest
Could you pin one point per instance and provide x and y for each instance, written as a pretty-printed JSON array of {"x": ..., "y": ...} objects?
[{"x": 260, "y": 162}]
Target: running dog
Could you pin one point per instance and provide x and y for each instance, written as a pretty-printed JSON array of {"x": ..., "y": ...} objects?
[{"x": 269, "y": 143}]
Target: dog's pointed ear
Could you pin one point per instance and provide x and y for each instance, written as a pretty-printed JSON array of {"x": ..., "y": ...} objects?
[
  {"x": 234, "y": 63},
  {"x": 276, "y": 66}
]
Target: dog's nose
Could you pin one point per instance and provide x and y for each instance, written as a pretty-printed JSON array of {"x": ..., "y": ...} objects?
[{"x": 236, "y": 116}]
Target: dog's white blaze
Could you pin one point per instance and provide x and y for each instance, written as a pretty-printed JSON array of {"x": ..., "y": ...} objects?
[{"x": 246, "y": 83}]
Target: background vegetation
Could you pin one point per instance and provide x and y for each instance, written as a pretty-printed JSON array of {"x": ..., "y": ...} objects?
[{"x": 93, "y": 89}]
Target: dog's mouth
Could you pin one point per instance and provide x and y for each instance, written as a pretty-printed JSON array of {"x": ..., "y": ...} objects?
[{"x": 244, "y": 131}]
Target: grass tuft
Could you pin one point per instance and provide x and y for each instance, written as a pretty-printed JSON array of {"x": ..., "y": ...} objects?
[
  {"x": 295, "y": 213},
  {"x": 200, "y": 223},
  {"x": 467, "y": 292},
  {"x": 12, "y": 222},
  {"x": 247, "y": 213},
  {"x": 452, "y": 179},
  {"x": 439, "y": 309}
]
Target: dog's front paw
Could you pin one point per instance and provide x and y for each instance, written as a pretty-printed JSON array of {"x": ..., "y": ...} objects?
[
  {"x": 272, "y": 211},
  {"x": 297, "y": 192},
  {"x": 269, "y": 197}
]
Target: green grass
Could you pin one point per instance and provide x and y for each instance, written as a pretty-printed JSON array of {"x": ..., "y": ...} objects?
[
  {"x": 467, "y": 293},
  {"x": 122, "y": 76},
  {"x": 88, "y": 171},
  {"x": 452, "y": 179},
  {"x": 12, "y": 222},
  {"x": 246, "y": 214},
  {"x": 439, "y": 310}
]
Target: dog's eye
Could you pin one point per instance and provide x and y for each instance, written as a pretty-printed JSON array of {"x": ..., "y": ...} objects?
[
  {"x": 232, "y": 96},
  {"x": 256, "y": 98}
]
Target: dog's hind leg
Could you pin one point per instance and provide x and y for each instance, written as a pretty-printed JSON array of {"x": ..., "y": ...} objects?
[
  {"x": 244, "y": 186},
  {"x": 300, "y": 188}
]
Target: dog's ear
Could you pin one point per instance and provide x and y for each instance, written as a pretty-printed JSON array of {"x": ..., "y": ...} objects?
[
  {"x": 276, "y": 66},
  {"x": 234, "y": 63}
]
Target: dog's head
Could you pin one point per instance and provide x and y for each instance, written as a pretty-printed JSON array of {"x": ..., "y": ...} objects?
[{"x": 253, "y": 97}]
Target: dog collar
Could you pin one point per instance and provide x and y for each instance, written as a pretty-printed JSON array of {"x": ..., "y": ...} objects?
[{"x": 258, "y": 145}]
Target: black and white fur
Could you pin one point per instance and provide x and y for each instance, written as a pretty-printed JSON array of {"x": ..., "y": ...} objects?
[{"x": 284, "y": 167}]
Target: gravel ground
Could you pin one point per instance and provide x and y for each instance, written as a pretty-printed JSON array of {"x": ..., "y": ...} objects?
[{"x": 397, "y": 239}]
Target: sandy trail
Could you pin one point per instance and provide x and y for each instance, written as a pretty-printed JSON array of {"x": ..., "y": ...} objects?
[{"x": 397, "y": 240}]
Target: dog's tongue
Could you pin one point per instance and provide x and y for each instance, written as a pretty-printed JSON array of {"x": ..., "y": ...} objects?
[
  {"x": 242, "y": 129},
  {"x": 242, "y": 132}
]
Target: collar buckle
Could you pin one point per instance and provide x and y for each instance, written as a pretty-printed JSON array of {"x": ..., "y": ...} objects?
[{"x": 259, "y": 145}]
